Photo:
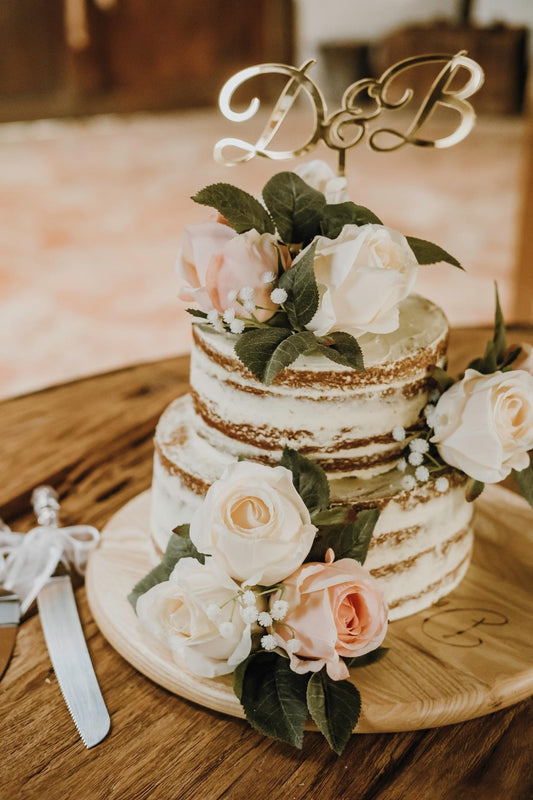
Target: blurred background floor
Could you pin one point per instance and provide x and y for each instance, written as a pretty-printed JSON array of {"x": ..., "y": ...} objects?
[
  {"x": 93, "y": 212},
  {"x": 94, "y": 195}
]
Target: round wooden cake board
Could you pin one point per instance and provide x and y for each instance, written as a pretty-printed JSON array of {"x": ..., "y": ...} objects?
[{"x": 466, "y": 656}]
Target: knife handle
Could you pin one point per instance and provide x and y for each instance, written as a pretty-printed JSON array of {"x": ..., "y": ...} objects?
[{"x": 46, "y": 506}]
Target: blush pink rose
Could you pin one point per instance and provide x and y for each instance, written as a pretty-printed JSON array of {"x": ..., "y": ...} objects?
[
  {"x": 216, "y": 263},
  {"x": 335, "y": 609}
]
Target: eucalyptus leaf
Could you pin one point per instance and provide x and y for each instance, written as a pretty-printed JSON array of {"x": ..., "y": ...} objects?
[
  {"x": 524, "y": 482},
  {"x": 350, "y": 540},
  {"x": 242, "y": 210},
  {"x": 369, "y": 658},
  {"x": 256, "y": 347},
  {"x": 302, "y": 291},
  {"x": 309, "y": 479},
  {"x": 273, "y": 697},
  {"x": 335, "y": 707},
  {"x": 337, "y": 215},
  {"x": 295, "y": 207},
  {"x": 473, "y": 489},
  {"x": 195, "y": 312},
  {"x": 342, "y": 348},
  {"x": 178, "y": 547},
  {"x": 429, "y": 253}
]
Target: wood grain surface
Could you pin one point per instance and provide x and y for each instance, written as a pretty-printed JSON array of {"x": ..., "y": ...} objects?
[{"x": 93, "y": 440}]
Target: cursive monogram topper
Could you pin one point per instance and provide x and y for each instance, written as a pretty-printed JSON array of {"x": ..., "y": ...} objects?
[{"x": 363, "y": 101}]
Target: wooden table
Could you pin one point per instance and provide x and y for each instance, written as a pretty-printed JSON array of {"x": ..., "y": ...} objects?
[{"x": 92, "y": 439}]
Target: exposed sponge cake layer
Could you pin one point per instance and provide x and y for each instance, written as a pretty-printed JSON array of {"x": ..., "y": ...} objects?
[
  {"x": 335, "y": 415},
  {"x": 421, "y": 544}
]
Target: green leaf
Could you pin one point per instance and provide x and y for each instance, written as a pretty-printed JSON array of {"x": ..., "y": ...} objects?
[
  {"x": 179, "y": 546},
  {"x": 335, "y": 707},
  {"x": 429, "y": 253},
  {"x": 351, "y": 540},
  {"x": 510, "y": 357},
  {"x": 273, "y": 697},
  {"x": 255, "y": 348},
  {"x": 195, "y": 312},
  {"x": 495, "y": 356},
  {"x": 335, "y": 515},
  {"x": 300, "y": 284},
  {"x": 238, "y": 675},
  {"x": 369, "y": 658},
  {"x": 183, "y": 531},
  {"x": 342, "y": 348},
  {"x": 309, "y": 479},
  {"x": 473, "y": 489},
  {"x": 295, "y": 207},
  {"x": 500, "y": 335},
  {"x": 287, "y": 352},
  {"x": 442, "y": 379},
  {"x": 337, "y": 215},
  {"x": 242, "y": 211},
  {"x": 488, "y": 363},
  {"x": 524, "y": 481}
]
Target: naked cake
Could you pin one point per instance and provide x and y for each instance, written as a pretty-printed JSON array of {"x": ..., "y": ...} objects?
[{"x": 355, "y": 424}]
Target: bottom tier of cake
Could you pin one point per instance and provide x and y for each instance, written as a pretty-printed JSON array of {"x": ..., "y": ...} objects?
[{"x": 422, "y": 542}]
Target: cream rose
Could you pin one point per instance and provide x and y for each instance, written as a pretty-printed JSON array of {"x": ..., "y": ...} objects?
[
  {"x": 180, "y": 614},
  {"x": 335, "y": 610},
  {"x": 216, "y": 263},
  {"x": 320, "y": 176},
  {"x": 254, "y": 522},
  {"x": 362, "y": 276},
  {"x": 484, "y": 424}
]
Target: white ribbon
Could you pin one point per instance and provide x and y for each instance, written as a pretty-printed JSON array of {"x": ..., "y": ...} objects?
[{"x": 27, "y": 560}]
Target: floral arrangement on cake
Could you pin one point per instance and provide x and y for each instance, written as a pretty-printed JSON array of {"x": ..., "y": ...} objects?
[
  {"x": 480, "y": 423},
  {"x": 307, "y": 272},
  {"x": 267, "y": 582}
]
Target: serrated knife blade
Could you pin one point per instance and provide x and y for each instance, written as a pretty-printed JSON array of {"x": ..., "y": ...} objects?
[
  {"x": 65, "y": 640},
  {"x": 71, "y": 660}
]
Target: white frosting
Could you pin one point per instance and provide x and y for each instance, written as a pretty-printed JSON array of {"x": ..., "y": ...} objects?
[
  {"x": 434, "y": 522},
  {"x": 422, "y": 541},
  {"x": 333, "y": 418}
]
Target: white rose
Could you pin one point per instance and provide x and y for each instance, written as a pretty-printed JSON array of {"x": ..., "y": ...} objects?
[
  {"x": 484, "y": 424},
  {"x": 179, "y": 613},
  {"x": 320, "y": 176},
  {"x": 254, "y": 522},
  {"x": 362, "y": 276}
]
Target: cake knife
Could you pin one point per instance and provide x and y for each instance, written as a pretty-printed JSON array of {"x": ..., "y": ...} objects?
[
  {"x": 65, "y": 640},
  {"x": 9, "y": 617}
]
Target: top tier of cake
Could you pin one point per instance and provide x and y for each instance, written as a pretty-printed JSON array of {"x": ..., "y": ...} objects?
[{"x": 340, "y": 417}]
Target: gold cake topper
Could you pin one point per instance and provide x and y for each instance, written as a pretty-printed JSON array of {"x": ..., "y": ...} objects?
[{"x": 363, "y": 101}]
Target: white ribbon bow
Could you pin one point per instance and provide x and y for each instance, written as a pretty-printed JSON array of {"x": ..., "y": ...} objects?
[{"x": 27, "y": 560}]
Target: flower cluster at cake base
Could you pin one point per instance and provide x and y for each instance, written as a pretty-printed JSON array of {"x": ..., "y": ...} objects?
[
  {"x": 252, "y": 586},
  {"x": 306, "y": 271},
  {"x": 480, "y": 424}
]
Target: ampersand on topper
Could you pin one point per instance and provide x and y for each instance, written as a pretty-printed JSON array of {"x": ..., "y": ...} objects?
[{"x": 363, "y": 101}]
